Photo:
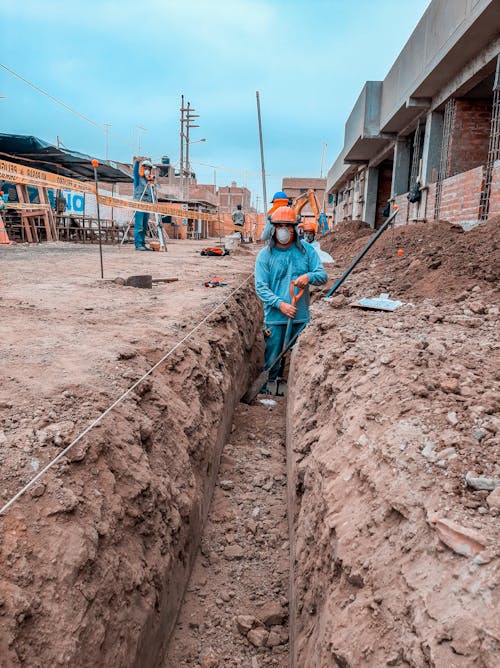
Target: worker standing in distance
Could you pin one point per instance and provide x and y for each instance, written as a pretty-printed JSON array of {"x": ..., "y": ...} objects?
[
  {"x": 323, "y": 223},
  {"x": 239, "y": 219},
  {"x": 143, "y": 183},
  {"x": 279, "y": 199},
  {"x": 284, "y": 259}
]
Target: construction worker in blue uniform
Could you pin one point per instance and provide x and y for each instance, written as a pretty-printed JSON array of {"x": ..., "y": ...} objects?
[
  {"x": 284, "y": 259},
  {"x": 279, "y": 199},
  {"x": 323, "y": 223},
  {"x": 143, "y": 184}
]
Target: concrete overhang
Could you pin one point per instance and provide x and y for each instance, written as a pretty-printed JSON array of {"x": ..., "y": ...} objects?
[
  {"x": 339, "y": 173},
  {"x": 447, "y": 38}
]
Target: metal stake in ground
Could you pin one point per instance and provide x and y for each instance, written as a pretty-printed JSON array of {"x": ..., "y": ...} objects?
[
  {"x": 261, "y": 152},
  {"x": 95, "y": 164}
]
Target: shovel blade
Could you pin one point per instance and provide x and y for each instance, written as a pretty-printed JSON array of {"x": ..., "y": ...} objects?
[{"x": 255, "y": 388}]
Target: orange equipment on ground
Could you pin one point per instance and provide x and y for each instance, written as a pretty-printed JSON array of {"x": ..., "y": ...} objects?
[{"x": 4, "y": 237}]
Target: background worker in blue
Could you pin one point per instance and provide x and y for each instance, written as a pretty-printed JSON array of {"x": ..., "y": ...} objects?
[
  {"x": 323, "y": 223},
  {"x": 279, "y": 199},
  {"x": 284, "y": 259},
  {"x": 143, "y": 183}
]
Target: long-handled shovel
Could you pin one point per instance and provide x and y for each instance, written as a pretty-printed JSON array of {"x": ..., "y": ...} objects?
[{"x": 262, "y": 379}]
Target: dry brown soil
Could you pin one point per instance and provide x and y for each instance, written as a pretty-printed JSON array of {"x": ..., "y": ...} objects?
[
  {"x": 96, "y": 555},
  {"x": 396, "y": 556}
]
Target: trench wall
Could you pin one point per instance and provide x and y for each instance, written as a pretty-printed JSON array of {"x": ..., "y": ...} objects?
[
  {"x": 98, "y": 558},
  {"x": 371, "y": 583}
]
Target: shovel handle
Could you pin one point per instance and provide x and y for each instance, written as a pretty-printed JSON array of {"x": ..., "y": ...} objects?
[{"x": 295, "y": 296}]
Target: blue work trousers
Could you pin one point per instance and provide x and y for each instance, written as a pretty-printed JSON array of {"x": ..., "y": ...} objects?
[
  {"x": 274, "y": 338},
  {"x": 141, "y": 220}
]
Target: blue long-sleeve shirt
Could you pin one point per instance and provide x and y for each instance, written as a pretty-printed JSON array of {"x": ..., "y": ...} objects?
[
  {"x": 275, "y": 269},
  {"x": 141, "y": 192}
]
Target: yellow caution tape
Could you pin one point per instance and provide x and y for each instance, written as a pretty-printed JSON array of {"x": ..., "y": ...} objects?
[{"x": 15, "y": 173}]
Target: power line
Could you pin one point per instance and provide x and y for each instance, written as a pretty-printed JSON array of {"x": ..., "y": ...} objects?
[{"x": 99, "y": 126}]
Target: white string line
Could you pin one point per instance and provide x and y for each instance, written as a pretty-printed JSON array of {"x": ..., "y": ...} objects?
[{"x": 115, "y": 403}]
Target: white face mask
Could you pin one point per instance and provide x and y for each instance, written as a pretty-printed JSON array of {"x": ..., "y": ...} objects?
[{"x": 283, "y": 235}]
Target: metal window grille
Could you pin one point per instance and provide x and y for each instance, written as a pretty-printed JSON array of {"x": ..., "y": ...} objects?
[
  {"x": 449, "y": 114},
  {"x": 418, "y": 145},
  {"x": 493, "y": 148}
]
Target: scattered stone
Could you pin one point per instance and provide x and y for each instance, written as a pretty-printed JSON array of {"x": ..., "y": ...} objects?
[
  {"x": 256, "y": 512},
  {"x": 38, "y": 490},
  {"x": 481, "y": 482},
  {"x": 450, "y": 386},
  {"x": 493, "y": 499},
  {"x": 226, "y": 485},
  {"x": 385, "y": 359},
  {"x": 273, "y": 639},
  {"x": 208, "y": 658},
  {"x": 258, "y": 637},
  {"x": 246, "y": 623},
  {"x": 461, "y": 540},
  {"x": 362, "y": 441},
  {"x": 271, "y": 613},
  {"x": 234, "y": 552},
  {"x": 478, "y": 308},
  {"x": 251, "y": 526},
  {"x": 452, "y": 418},
  {"x": 337, "y": 301}
]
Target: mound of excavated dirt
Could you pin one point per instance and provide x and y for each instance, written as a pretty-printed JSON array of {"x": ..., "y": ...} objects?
[
  {"x": 390, "y": 414},
  {"x": 438, "y": 257}
]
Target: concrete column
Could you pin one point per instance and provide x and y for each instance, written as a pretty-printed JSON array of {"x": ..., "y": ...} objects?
[
  {"x": 400, "y": 168},
  {"x": 433, "y": 139},
  {"x": 371, "y": 190}
]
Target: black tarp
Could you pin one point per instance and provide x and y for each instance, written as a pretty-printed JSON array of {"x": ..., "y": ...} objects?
[{"x": 36, "y": 153}]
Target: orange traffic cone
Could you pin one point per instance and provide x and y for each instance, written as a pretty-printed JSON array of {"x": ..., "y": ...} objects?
[{"x": 4, "y": 237}]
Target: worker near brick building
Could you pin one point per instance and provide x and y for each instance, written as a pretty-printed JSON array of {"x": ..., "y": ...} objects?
[
  {"x": 284, "y": 259},
  {"x": 323, "y": 223},
  {"x": 239, "y": 220},
  {"x": 143, "y": 184}
]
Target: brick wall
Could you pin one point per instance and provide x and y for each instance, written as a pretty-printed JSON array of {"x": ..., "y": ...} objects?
[
  {"x": 460, "y": 196},
  {"x": 494, "y": 209},
  {"x": 402, "y": 202},
  {"x": 469, "y": 136}
]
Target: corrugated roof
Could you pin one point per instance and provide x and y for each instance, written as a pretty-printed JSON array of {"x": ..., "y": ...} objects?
[{"x": 33, "y": 152}]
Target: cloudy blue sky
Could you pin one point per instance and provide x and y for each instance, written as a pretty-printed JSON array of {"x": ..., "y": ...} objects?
[{"x": 126, "y": 63}]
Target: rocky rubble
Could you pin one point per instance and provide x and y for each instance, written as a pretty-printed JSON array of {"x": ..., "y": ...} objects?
[{"x": 236, "y": 608}]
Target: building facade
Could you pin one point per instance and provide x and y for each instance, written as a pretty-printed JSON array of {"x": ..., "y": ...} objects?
[{"x": 431, "y": 128}]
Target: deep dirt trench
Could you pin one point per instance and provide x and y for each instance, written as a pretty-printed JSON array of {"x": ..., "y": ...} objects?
[
  {"x": 394, "y": 554},
  {"x": 235, "y": 610}
]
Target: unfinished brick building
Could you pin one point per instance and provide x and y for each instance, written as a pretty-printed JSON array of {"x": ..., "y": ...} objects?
[{"x": 432, "y": 126}]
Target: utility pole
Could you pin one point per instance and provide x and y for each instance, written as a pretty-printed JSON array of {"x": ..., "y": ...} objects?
[
  {"x": 181, "y": 158},
  {"x": 323, "y": 156},
  {"x": 187, "y": 116}
]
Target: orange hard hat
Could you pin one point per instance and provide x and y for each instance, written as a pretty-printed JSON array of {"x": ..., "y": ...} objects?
[
  {"x": 310, "y": 226},
  {"x": 284, "y": 214}
]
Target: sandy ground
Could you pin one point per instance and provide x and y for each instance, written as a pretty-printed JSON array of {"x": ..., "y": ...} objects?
[{"x": 393, "y": 434}]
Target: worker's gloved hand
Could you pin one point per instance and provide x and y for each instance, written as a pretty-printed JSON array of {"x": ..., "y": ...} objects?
[
  {"x": 288, "y": 310},
  {"x": 302, "y": 281}
]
